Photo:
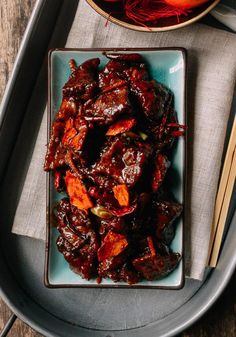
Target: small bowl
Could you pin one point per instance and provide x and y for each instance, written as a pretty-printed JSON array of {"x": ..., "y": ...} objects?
[
  {"x": 166, "y": 65},
  {"x": 112, "y": 11}
]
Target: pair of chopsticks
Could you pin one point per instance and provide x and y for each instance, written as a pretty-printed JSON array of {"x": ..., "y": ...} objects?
[{"x": 223, "y": 197}]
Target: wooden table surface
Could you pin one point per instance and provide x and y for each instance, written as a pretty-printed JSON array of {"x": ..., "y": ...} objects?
[{"x": 220, "y": 321}]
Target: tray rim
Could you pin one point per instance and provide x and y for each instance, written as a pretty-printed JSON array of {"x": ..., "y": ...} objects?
[
  {"x": 222, "y": 280},
  {"x": 48, "y": 176}
]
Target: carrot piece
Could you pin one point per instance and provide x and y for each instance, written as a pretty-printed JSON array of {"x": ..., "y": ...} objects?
[
  {"x": 113, "y": 237},
  {"x": 151, "y": 246},
  {"x": 113, "y": 244},
  {"x": 77, "y": 192},
  {"x": 73, "y": 138},
  {"x": 69, "y": 132},
  {"x": 121, "y": 193},
  {"x": 121, "y": 126}
]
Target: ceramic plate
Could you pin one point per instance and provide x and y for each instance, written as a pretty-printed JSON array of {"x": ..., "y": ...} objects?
[
  {"x": 114, "y": 11},
  {"x": 167, "y": 66}
]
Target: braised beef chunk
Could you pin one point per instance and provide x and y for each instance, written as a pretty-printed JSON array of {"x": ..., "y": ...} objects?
[
  {"x": 63, "y": 245},
  {"x": 134, "y": 160},
  {"x": 69, "y": 235},
  {"x": 67, "y": 109},
  {"x": 142, "y": 217},
  {"x": 111, "y": 74},
  {"x": 68, "y": 214},
  {"x": 153, "y": 98},
  {"x": 103, "y": 197},
  {"x": 166, "y": 213},
  {"x": 91, "y": 246},
  {"x": 102, "y": 181},
  {"x": 123, "y": 160},
  {"x": 84, "y": 266},
  {"x": 74, "y": 224},
  {"x": 55, "y": 156},
  {"x": 115, "y": 224},
  {"x": 78, "y": 241},
  {"x": 111, "y": 264},
  {"x": 165, "y": 132},
  {"x": 71, "y": 224},
  {"x": 162, "y": 249},
  {"x": 136, "y": 73},
  {"x": 128, "y": 274},
  {"x": 114, "y": 72},
  {"x": 82, "y": 84},
  {"x": 108, "y": 150},
  {"x": 161, "y": 166},
  {"x": 110, "y": 161},
  {"x": 156, "y": 267},
  {"x": 109, "y": 106}
]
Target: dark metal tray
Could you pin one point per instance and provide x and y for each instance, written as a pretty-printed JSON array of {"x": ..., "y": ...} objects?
[{"x": 76, "y": 312}]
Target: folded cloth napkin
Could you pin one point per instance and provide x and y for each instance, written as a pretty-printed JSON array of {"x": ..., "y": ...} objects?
[{"x": 211, "y": 80}]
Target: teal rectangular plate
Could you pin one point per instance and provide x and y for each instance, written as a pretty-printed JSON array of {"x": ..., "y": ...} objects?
[{"x": 167, "y": 66}]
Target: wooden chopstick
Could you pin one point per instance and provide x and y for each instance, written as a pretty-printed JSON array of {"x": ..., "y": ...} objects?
[
  {"x": 222, "y": 186},
  {"x": 224, "y": 212}
]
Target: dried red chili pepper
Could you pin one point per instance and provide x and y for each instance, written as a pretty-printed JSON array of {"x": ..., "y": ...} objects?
[
  {"x": 123, "y": 125},
  {"x": 121, "y": 193}
]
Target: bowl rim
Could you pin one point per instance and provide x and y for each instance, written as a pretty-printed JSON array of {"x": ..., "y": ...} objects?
[
  {"x": 150, "y": 29},
  {"x": 47, "y": 282}
]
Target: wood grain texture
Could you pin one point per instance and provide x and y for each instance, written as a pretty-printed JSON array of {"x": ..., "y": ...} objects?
[
  {"x": 14, "y": 15},
  {"x": 220, "y": 321}
]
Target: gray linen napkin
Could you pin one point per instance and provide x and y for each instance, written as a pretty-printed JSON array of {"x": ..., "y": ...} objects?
[{"x": 211, "y": 79}]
